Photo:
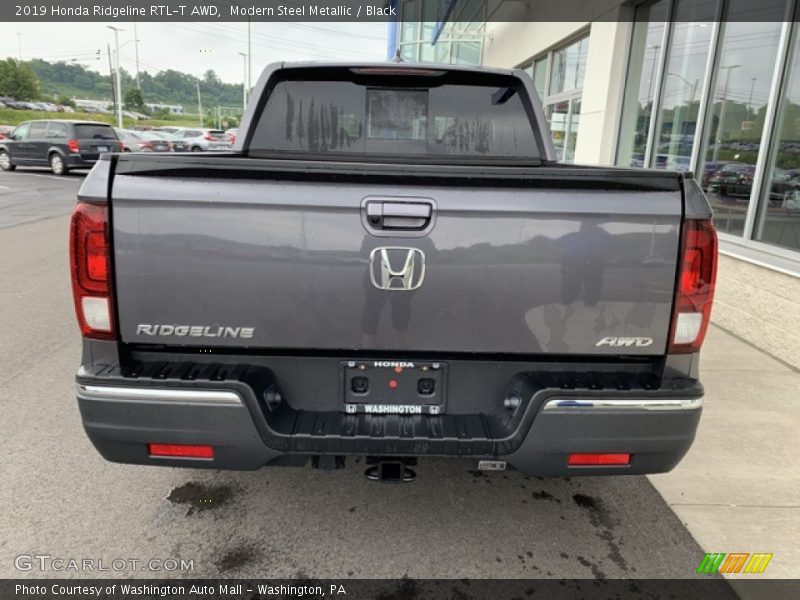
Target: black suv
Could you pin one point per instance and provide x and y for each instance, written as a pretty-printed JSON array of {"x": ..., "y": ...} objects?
[{"x": 63, "y": 145}]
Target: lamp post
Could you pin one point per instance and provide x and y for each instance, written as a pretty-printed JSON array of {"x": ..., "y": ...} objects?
[
  {"x": 136, "y": 40},
  {"x": 244, "y": 83},
  {"x": 119, "y": 75},
  {"x": 721, "y": 123}
]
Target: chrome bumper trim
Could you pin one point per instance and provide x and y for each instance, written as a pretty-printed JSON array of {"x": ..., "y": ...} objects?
[
  {"x": 136, "y": 394},
  {"x": 619, "y": 404}
]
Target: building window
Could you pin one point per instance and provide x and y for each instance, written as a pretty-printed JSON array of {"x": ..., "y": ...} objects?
[
  {"x": 714, "y": 88},
  {"x": 736, "y": 119},
  {"x": 558, "y": 79},
  {"x": 778, "y": 217},
  {"x": 460, "y": 42}
]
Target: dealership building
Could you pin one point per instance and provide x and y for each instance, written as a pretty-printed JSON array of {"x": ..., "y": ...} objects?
[{"x": 708, "y": 86}]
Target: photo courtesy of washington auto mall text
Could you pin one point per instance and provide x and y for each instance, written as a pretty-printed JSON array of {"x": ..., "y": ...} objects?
[{"x": 400, "y": 299}]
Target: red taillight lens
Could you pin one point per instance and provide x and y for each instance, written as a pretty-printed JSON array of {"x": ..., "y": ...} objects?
[
  {"x": 181, "y": 450},
  {"x": 72, "y": 146},
  {"x": 696, "y": 280},
  {"x": 208, "y": 137},
  {"x": 90, "y": 267},
  {"x": 592, "y": 459}
]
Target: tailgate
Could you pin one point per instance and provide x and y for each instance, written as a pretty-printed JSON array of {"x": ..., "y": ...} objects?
[{"x": 352, "y": 266}]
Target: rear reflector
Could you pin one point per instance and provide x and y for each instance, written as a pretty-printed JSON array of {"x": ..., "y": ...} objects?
[
  {"x": 695, "y": 291},
  {"x": 598, "y": 459},
  {"x": 90, "y": 267},
  {"x": 181, "y": 450}
]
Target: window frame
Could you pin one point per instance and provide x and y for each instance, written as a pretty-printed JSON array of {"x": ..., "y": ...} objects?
[{"x": 569, "y": 96}]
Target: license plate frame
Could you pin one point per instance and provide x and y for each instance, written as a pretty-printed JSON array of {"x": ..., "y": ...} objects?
[
  {"x": 394, "y": 387},
  {"x": 103, "y": 148}
]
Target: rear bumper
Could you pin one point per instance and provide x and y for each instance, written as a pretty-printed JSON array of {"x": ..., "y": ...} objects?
[
  {"x": 76, "y": 161},
  {"x": 241, "y": 415}
]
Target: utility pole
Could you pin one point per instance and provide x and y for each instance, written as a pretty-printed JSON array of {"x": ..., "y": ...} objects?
[
  {"x": 111, "y": 72},
  {"x": 722, "y": 111},
  {"x": 199, "y": 103},
  {"x": 119, "y": 75},
  {"x": 249, "y": 59},
  {"x": 136, "y": 42},
  {"x": 244, "y": 82}
]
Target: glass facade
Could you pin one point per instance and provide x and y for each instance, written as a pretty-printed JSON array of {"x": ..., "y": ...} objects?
[
  {"x": 460, "y": 42},
  {"x": 713, "y": 87},
  {"x": 558, "y": 79}
]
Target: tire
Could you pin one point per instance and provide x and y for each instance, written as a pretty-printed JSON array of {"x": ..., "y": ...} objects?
[
  {"x": 5, "y": 162},
  {"x": 196, "y": 149},
  {"x": 57, "y": 164}
]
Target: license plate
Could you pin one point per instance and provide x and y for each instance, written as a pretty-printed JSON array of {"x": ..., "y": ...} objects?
[
  {"x": 103, "y": 148},
  {"x": 394, "y": 387}
]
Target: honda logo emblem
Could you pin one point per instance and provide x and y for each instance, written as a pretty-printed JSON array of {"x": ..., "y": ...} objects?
[{"x": 397, "y": 268}]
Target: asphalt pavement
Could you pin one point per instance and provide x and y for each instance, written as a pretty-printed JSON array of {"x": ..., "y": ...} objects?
[{"x": 61, "y": 499}]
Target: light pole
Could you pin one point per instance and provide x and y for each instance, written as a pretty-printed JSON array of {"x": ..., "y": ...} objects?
[
  {"x": 721, "y": 123},
  {"x": 244, "y": 83},
  {"x": 136, "y": 40},
  {"x": 249, "y": 59},
  {"x": 119, "y": 75}
]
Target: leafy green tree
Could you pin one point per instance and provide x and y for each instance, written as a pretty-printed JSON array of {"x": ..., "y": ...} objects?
[
  {"x": 133, "y": 99},
  {"x": 66, "y": 101},
  {"x": 18, "y": 80}
]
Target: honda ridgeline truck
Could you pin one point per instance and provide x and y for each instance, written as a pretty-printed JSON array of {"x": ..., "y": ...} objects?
[{"x": 390, "y": 263}]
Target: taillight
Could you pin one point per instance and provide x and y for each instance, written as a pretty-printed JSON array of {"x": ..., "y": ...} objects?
[
  {"x": 695, "y": 293},
  {"x": 72, "y": 146},
  {"x": 90, "y": 266},
  {"x": 208, "y": 137}
]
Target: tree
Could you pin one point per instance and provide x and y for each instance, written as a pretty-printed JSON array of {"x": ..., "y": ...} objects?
[
  {"x": 66, "y": 101},
  {"x": 18, "y": 80},
  {"x": 133, "y": 99}
]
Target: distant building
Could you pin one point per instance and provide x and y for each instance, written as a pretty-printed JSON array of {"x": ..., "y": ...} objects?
[{"x": 174, "y": 109}]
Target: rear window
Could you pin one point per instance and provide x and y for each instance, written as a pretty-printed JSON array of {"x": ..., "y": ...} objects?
[
  {"x": 94, "y": 132},
  {"x": 436, "y": 118},
  {"x": 218, "y": 135}
]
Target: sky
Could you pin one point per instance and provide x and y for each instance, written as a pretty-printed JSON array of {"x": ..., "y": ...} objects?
[{"x": 195, "y": 47}]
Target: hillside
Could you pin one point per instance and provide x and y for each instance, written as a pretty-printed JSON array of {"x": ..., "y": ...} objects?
[{"x": 165, "y": 87}]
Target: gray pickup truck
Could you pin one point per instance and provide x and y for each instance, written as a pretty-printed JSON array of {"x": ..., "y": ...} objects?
[{"x": 391, "y": 264}]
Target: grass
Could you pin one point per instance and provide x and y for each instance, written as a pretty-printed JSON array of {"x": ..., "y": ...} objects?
[{"x": 9, "y": 116}]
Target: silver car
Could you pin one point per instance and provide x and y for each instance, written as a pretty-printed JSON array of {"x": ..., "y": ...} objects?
[{"x": 202, "y": 140}]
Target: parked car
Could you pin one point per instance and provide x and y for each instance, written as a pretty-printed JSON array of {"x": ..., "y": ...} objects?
[
  {"x": 61, "y": 145},
  {"x": 388, "y": 290},
  {"x": 177, "y": 142},
  {"x": 142, "y": 141},
  {"x": 204, "y": 139},
  {"x": 732, "y": 180}
]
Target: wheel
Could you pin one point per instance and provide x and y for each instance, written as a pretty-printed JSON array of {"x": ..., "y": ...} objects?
[
  {"x": 5, "y": 162},
  {"x": 196, "y": 149},
  {"x": 57, "y": 164}
]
